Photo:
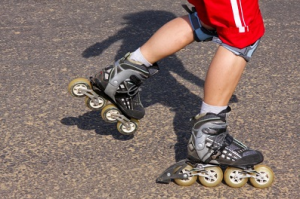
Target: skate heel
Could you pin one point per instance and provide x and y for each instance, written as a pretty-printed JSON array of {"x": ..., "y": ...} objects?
[
  {"x": 174, "y": 172},
  {"x": 111, "y": 114},
  {"x": 81, "y": 87},
  {"x": 95, "y": 99}
]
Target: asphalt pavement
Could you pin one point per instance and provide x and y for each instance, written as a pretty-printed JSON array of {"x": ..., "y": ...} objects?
[{"x": 52, "y": 146}]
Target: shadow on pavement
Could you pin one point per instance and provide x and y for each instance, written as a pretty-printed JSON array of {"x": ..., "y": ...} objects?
[{"x": 93, "y": 121}]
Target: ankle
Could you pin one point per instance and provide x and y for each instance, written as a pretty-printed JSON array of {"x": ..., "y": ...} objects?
[
  {"x": 207, "y": 108},
  {"x": 138, "y": 58}
]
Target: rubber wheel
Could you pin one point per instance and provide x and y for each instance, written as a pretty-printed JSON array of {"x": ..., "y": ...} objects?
[
  {"x": 107, "y": 113},
  {"x": 188, "y": 182},
  {"x": 134, "y": 124},
  {"x": 91, "y": 104},
  {"x": 232, "y": 177},
  {"x": 215, "y": 177},
  {"x": 76, "y": 84},
  {"x": 264, "y": 177}
]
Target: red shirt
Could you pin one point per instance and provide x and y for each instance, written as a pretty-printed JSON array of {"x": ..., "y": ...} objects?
[{"x": 238, "y": 22}]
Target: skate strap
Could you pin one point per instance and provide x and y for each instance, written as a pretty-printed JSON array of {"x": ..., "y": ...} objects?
[
  {"x": 188, "y": 9},
  {"x": 223, "y": 139},
  {"x": 132, "y": 91}
]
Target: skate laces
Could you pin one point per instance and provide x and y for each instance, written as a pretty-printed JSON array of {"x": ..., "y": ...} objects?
[
  {"x": 134, "y": 88},
  {"x": 220, "y": 142},
  {"x": 131, "y": 92}
]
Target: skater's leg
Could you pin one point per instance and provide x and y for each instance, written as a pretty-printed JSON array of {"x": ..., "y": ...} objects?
[
  {"x": 169, "y": 39},
  {"x": 222, "y": 77},
  {"x": 120, "y": 81}
]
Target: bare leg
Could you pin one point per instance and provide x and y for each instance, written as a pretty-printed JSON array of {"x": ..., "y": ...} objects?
[
  {"x": 169, "y": 39},
  {"x": 224, "y": 72},
  {"x": 222, "y": 77}
]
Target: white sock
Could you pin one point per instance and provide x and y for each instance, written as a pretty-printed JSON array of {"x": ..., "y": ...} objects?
[
  {"x": 138, "y": 57},
  {"x": 206, "y": 108}
]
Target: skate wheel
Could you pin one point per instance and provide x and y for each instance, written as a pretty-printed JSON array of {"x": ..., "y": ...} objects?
[
  {"x": 110, "y": 113},
  {"x": 95, "y": 105},
  {"x": 213, "y": 176},
  {"x": 186, "y": 182},
  {"x": 76, "y": 85},
  {"x": 234, "y": 177},
  {"x": 130, "y": 129},
  {"x": 263, "y": 178}
]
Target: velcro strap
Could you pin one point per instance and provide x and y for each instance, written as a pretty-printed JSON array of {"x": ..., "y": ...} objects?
[
  {"x": 218, "y": 151},
  {"x": 188, "y": 9}
]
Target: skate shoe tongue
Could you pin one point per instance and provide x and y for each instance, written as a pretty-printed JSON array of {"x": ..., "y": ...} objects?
[{"x": 225, "y": 113}]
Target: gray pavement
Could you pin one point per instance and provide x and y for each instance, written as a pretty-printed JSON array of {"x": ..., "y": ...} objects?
[{"x": 52, "y": 146}]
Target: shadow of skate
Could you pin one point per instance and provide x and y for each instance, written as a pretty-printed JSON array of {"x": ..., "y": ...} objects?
[
  {"x": 162, "y": 88},
  {"x": 93, "y": 121}
]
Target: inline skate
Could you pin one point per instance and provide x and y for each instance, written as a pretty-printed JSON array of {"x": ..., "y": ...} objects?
[
  {"x": 210, "y": 148},
  {"x": 115, "y": 91}
]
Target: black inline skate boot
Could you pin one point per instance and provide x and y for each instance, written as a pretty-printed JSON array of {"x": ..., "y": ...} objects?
[
  {"x": 115, "y": 91},
  {"x": 211, "y": 147},
  {"x": 120, "y": 83}
]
